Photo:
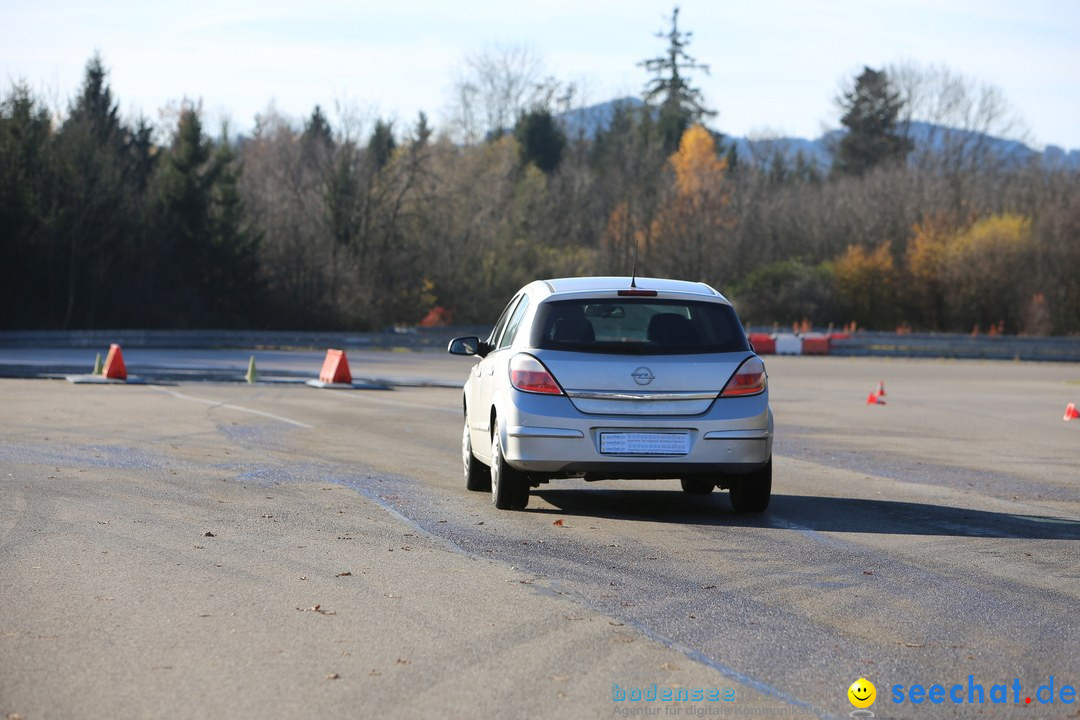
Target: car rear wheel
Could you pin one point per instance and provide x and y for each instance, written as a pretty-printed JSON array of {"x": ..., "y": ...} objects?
[
  {"x": 477, "y": 474},
  {"x": 509, "y": 487},
  {"x": 751, "y": 492},
  {"x": 693, "y": 486}
]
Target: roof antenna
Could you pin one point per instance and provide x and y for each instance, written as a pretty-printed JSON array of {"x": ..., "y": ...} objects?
[{"x": 633, "y": 273}]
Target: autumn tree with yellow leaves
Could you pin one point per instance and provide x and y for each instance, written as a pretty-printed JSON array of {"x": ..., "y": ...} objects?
[
  {"x": 867, "y": 281},
  {"x": 691, "y": 231}
]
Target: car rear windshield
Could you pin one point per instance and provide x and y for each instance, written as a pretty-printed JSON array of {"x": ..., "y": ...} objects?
[{"x": 632, "y": 326}]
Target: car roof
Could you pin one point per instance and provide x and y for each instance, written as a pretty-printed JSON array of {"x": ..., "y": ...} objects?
[{"x": 612, "y": 284}]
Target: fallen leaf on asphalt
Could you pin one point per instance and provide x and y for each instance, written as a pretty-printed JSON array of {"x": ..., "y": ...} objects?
[
  {"x": 403, "y": 661},
  {"x": 200, "y": 547},
  {"x": 867, "y": 572},
  {"x": 332, "y": 676},
  {"x": 615, "y": 624},
  {"x": 374, "y": 673},
  {"x": 208, "y": 534},
  {"x": 708, "y": 587},
  {"x": 914, "y": 645},
  {"x": 344, "y": 574},
  {"x": 558, "y": 523},
  {"x": 317, "y": 609}
]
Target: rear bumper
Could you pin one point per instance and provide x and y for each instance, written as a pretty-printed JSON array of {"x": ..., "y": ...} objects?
[{"x": 548, "y": 435}]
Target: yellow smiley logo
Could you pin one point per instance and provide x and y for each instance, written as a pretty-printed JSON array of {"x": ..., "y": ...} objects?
[{"x": 862, "y": 693}]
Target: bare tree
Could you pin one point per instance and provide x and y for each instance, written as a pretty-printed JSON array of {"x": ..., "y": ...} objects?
[
  {"x": 494, "y": 87},
  {"x": 964, "y": 122}
]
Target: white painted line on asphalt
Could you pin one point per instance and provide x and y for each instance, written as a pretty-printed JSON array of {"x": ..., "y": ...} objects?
[
  {"x": 397, "y": 401},
  {"x": 215, "y": 403}
]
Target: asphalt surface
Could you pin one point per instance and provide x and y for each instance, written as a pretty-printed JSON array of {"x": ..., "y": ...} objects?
[{"x": 348, "y": 573}]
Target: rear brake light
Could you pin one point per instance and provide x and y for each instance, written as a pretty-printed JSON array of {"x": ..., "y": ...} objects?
[
  {"x": 749, "y": 379},
  {"x": 637, "y": 293},
  {"x": 529, "y": 375}
]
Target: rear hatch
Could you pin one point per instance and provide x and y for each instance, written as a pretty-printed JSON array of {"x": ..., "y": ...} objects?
[
  {"x": 604, "y": 384},
  {"x": 640, "y": 355}
]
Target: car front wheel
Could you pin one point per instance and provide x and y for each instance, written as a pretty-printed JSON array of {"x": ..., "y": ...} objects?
[
  {"x": 477, "y": 474},
  {"x": 751, "y": 492},
  {"x": 509, "y": 488}
]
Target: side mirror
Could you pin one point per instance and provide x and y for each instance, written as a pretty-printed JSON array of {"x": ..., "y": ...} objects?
[{"x": 468, "y": 345}]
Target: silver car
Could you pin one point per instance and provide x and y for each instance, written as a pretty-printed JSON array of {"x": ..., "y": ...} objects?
[{"x": 617, "y": 377}]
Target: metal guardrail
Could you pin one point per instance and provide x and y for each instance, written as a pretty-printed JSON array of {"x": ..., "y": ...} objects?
[
  {"x": 410, "y": 338},
  {"x": 859, "y": 344},
  {"x": 983, "y": 347}
]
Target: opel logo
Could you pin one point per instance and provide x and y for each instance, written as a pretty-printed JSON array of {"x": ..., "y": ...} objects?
[{"x": 643, "y": 376}]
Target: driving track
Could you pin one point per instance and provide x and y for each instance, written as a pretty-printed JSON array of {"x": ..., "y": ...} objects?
[{"x": 916, "y": 542}]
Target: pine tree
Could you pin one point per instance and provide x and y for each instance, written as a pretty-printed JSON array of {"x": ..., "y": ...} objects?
[
  {"x": 25, "y": 181},
  {"x": 871, "y": 109},
  {"x": 205, "y": 256},
  {"x": 94, "y": 202},
  {"x": 541, "y": 140},
  {"x": 680, "y": 105},
  {"x": 381, "y": 146}
]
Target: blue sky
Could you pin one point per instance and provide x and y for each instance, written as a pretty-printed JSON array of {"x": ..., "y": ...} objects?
[{"x": 776, "y": 64}]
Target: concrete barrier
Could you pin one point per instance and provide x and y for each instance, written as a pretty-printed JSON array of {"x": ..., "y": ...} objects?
[{"x": 788, "y": 344}]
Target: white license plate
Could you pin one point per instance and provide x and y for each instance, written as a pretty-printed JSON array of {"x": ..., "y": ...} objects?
[{"x": 618, "y": 443}]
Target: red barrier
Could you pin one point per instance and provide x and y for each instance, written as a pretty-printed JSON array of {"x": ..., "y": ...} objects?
[
  {"x": 335, "y": 368},
  {"x": 815, "y": 345},
  {"x": 114, "y": 364},
  {"x": 763, "y": 344}
]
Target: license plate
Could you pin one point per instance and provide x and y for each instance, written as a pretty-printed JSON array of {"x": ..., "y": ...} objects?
[{"x": 619, "y": 443}]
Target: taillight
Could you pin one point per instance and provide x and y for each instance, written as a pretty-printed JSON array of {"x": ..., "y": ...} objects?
[
  {"x": 529, "y": 375},
  {"x": 749, "y": 379}
]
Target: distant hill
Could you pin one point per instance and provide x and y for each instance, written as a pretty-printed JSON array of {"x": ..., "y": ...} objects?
[{"x": 587, "y": 122}]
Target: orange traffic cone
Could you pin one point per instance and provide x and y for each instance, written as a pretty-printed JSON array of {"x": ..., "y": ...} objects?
[
  {"x": 874, "y": 399},
  {"x": 1071, "y": 412},
  {"x": 881, "y": 388},
  {"x": 335, "y": 369},
  {"x": 114, "y": 364}
]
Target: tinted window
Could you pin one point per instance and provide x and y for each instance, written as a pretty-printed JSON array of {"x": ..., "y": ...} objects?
[
  {"x": 515, "y": 323},
  {"x": 645, "y": 326}
]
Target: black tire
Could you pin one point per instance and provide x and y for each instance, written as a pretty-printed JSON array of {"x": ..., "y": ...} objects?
[
  {"x": 694, "y": 486},
  {"x": 751, "y": 492},
  {"x": 509, "y": 487},
  {"x": 477, "y": 474}
]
